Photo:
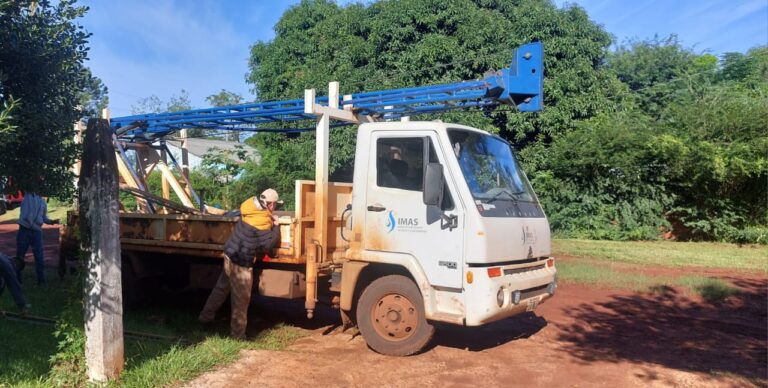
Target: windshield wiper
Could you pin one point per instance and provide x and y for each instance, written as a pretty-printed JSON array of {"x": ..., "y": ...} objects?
[{"x": 513, "y": 196}]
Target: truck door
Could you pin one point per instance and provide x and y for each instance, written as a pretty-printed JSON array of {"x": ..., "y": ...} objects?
[{"x": 397, "y": 220}]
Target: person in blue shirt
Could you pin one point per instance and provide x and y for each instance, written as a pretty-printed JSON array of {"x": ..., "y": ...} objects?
[
  {"x": 8, "y": 267},
  {"x": 33, "y": 215}
]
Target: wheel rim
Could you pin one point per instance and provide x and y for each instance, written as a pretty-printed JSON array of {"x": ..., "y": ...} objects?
[{"x": 395, "y": 317}]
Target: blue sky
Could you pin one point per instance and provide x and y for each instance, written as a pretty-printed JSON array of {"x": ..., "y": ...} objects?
[{"x": 158, "y": 47}]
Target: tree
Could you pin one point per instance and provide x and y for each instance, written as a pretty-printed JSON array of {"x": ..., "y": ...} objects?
[
  {"x": 179, "y": 102},
  {"x": 42, "y": 54},
  {"x": 650, "y": 137},
  {"x": 405, "y": 43},
  {"x": 153, "y": 104},
  {"x": 716, "y": 141},
  {"x": 94, "y": 97},
  {"x": 225, "y": 98},
  {"x": 147, "y": 105},
  {"x": 176, "y": 103},
  {"x": 657, "y": 68}
]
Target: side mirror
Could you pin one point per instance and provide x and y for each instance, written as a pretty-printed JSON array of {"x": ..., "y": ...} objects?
[{"x": 434, "y": 183}]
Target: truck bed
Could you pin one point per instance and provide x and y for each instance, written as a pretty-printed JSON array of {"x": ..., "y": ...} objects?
[{"x": 205, "y": 235}]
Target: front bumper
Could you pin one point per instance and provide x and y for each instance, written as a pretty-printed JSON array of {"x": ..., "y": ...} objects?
[{"x": 523, "y": 288}]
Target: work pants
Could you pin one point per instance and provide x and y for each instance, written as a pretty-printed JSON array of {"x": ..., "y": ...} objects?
[
  {"x": 8, "y": 278},
  {"x": 24, "y": 239},
  {"x": 237, "y": 281}
]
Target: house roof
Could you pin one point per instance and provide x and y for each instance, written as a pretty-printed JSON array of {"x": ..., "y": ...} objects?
[{"x": 199, "y": 147}]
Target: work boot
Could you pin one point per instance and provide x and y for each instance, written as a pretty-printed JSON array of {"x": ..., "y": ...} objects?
[{"x": 24, "y": 311}]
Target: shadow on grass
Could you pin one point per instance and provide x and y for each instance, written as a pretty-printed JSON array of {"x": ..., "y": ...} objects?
[{"x": 669, "y": 329}]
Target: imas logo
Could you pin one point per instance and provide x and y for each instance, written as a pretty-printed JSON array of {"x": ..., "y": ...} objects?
[
  {"x": 391, "y": 223},
  {"x": 403, "y": 224}
]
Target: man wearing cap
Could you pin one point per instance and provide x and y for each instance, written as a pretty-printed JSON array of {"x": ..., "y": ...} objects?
[{"x": 256, "y": 233}]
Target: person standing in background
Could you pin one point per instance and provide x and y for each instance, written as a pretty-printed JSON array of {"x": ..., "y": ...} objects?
[{"x": 33, "y": 214}]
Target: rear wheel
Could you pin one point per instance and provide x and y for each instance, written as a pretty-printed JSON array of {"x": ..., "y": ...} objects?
[{"x": 390, "y": 316}]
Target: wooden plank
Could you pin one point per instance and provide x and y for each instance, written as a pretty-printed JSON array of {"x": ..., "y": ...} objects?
[
  {"x": 130, "y": 181},
  {"x": 185, "y": 158},
  {"x": 180, "y": 192},
  {"x": 171, "y": 244},
  {"x": 166, "y": 187}
]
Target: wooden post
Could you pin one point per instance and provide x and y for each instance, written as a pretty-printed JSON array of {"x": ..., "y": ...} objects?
[
  {"x": 100, "y": 239},
  {"x": 185, "y": 158},
  {"x": 166, "y": 187}
]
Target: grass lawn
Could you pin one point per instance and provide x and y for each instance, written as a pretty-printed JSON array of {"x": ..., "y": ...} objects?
[
  {"x": 668, "y": 253},
  {"x": 620, "y": 265},
  {"x": 26, "y": 348},
  {"x": 54, "y": 212}
]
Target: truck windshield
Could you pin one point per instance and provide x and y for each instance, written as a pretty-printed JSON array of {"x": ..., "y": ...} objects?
[{"x": 490, "y": 168}]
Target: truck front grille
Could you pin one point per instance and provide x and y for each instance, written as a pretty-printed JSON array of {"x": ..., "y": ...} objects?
[{"x": 512, "y": 271}]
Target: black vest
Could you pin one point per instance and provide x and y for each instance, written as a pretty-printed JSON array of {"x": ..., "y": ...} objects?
[{"x": 246, "y": 242}]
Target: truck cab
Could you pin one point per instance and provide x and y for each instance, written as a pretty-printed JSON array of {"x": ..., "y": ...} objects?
[{"x": 450, "y": 206}]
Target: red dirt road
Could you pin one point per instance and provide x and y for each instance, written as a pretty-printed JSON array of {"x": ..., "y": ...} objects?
[
  {"x": 50, "y": 244},
  {"x": 582, "y": 337}
]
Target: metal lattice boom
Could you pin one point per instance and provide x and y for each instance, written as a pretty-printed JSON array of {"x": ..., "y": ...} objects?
[{"x": 520, "y": 85}]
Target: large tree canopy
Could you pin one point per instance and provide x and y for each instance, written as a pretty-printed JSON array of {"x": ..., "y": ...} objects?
[
  {"x": 42, "y": 54},
  {"x": 403, "y": 43},
  {"x": 631, "y": 142}
]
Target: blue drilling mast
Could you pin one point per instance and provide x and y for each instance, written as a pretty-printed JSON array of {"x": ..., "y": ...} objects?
[{"x": 519, "y": 85}]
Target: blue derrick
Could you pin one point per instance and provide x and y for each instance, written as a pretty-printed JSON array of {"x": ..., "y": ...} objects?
[{"x": 519, "y": 85}]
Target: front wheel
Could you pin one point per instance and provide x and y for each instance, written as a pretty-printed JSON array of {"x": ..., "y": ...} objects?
[{"x": 390, "y": 316}]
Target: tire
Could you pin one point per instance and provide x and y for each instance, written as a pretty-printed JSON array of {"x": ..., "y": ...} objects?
[{"x": 390, "y": 316}]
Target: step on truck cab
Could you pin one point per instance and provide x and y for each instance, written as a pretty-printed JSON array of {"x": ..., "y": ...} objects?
[{"x": 448, "y": 217}]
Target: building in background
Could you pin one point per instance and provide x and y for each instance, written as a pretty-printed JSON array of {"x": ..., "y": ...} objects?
[{"x": 197, "y": 148}]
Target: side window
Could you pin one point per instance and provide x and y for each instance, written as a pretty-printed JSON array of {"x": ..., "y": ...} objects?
[
  {"x": 447, "y": 200},
  {"x": 400, "y": 162}
]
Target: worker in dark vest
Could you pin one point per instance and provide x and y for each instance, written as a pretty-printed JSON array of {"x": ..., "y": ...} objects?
[{"x": 256, "y": 234}]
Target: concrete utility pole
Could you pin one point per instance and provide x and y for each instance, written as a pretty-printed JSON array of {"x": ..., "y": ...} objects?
[{"x": 100, "y": 237}]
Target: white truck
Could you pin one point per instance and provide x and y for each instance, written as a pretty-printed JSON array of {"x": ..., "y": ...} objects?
[
  {"x": 450, "y": 229},
  {"x": 439, "y": 223}
]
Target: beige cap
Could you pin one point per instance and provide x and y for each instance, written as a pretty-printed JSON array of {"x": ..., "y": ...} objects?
[{"x": 270, "y": 195}]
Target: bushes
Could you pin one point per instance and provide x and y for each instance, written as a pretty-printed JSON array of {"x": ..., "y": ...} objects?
[{"x": 696, "y": 163}]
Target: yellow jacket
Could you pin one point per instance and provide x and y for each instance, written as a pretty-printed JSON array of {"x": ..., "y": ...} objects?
[{"x": 254, "y": 215}]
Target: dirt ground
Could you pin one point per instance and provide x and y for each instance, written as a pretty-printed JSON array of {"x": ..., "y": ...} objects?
[
  {"x": 581, "y": 337},
  {"x": 50, "y": 244}
]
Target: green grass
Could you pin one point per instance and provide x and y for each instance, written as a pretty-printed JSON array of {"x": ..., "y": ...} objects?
[
  {"x": 54, "y": 212},
  {"x": 26, "y": 349},
  {"x": 711, "y": 289},
  {"x": 599, "y": 275},
  {"x": 179, "y": 363},
  {"x": 25, "y": 352},
  {"x": 752, "y": 258}
]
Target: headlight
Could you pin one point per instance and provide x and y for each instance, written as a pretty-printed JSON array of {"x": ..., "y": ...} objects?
[{"x": 500, "y": 297}]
